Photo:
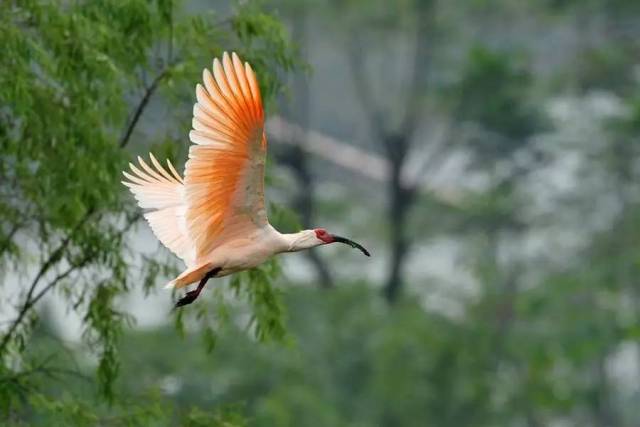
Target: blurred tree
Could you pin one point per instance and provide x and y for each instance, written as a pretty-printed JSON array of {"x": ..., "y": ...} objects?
[
  {"x": 491, "y": 95},
  {"x": 296, "y": 108},
  {"x": 483, "y": 103},
  {"x": 395, "y": 124}
]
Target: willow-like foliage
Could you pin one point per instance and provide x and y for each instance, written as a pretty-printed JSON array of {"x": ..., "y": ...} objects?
[{"x": 76, "y": 83}]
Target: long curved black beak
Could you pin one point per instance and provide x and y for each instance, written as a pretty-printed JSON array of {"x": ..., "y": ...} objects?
[{"x": 350, "y": 243}]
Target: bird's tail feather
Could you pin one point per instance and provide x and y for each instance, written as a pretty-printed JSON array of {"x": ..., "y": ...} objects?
[{"x": 190, "y": 276}]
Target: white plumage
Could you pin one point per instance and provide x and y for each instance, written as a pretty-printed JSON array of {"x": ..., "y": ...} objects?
[{"x": 215, "y": 218}]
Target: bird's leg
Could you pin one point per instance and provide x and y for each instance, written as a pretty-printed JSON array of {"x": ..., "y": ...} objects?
[{"x": 191, "y": 296}]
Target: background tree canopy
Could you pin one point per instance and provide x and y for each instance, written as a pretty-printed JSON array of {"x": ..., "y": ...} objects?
[{"x": 486, "y": 151}]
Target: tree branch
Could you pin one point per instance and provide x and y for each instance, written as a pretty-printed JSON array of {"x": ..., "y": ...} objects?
[
  {"x": 44, "y": 369},
  {"x": 7, "y": 242},
  {"x": 51, "y": 260},
  {"x": 437, "y": 156},
  {"x": 417, "y": 71},
  {"x": 345, "y": 155},
  {"x": 137, "y": 113},
  {"x": 60, "y": 277},
  {"x": 363, "y": 89},
  {"x": 55, "y": 256}
]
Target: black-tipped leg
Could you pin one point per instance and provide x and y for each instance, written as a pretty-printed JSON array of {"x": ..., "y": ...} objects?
[{"x": 191, "y": 296}]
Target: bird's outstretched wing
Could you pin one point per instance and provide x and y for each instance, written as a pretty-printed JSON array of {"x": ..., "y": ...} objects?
[
  {"x": 224, "y": 176},
  {"x": 161, "y": 192}
]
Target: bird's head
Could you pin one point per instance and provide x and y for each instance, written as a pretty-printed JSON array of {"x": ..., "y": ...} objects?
[{"x": 325, "y": 237}]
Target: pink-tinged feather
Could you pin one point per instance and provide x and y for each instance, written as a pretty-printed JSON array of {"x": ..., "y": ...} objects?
[
  {"x": 215, "y": 214},
  {"x": 163, "y": 195},
  {"x": 228, "y": 157}
]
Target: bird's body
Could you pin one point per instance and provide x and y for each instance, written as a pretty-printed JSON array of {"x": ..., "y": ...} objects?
[
  {"x": 214, "y": 218},
  {"x": 246, "y": 252}
]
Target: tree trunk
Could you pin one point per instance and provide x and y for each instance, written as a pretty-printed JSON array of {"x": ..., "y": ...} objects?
[
  {"x": 401, "y": 199},
  {"x": 298, "y": 159}
]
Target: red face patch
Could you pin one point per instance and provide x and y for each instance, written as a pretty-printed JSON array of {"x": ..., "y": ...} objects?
[{"x": 322, "y": 234}]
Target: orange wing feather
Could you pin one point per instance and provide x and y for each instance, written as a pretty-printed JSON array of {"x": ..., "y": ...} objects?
[{"x": 224, "y": 175}]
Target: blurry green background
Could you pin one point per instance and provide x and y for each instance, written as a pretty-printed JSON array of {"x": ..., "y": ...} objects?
[{"x": 486, "y": 152}]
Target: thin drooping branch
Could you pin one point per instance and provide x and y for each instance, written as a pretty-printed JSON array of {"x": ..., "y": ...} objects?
[
  {"x": 417, "y": 74},
  {"x": 42, "y": 368},
  {"x": 53, "y": 258},
  {"x": 32, "y": 298},
  {"x": 139, "y": 109},
  {"x": 57, "y": 254},
  {"x": 363, "y": 87},
  {"x": 7, "y": 242},
  {"x": 60, "y": 277},
  {"x": 438, "y": 156}
]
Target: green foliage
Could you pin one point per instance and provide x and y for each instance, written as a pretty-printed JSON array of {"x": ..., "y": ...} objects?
[
  {"x": 266, "y": 45},
  {"x": 608, "y": 65},
  {"x": 521, "y": 306},
  {"x": 67, "y": 410},
  {"x": 75, "y": 81},
  {"x": 356, "y": 362},
  {"x": 225, "y": 417},
  {"x": 104, "y": 326},
  {"x": 493, "y": 210},
  {"x": 490, "y": 94},
  {"x": 267, "y": 317}
]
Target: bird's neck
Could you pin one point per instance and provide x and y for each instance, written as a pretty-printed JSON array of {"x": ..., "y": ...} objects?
[{"x": 293, "y": 242}]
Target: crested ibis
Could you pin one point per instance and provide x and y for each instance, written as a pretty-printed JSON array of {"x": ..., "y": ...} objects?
[{"x": 214, "y": 218}]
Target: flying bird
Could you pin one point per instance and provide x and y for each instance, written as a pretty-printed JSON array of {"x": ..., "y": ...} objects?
[{"x": 214, "y": 218}]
